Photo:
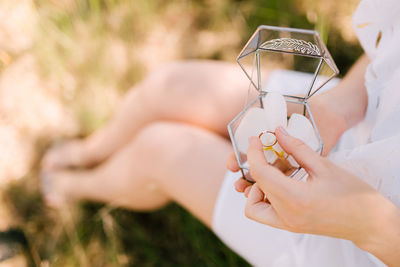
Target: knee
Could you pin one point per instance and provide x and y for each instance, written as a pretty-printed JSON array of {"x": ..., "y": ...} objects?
[
  {"x": 162, "y": 147},
  {"x": 166, "y": 76},
  {"x": 164, "y": 143},
  {"x": 168, "y": 86}
]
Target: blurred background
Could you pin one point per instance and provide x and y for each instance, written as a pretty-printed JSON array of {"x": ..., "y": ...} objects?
[{"x": 64, "y": 67}]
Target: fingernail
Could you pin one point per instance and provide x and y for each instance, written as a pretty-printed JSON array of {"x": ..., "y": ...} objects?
[
  {"x": 283, "y": 131},
  {"x": 247, "y": 191}
]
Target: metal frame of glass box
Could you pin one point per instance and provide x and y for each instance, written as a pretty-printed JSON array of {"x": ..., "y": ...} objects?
[{"x": 297, "y": 42}]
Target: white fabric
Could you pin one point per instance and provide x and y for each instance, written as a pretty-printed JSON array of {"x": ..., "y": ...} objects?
[
  {"x": 296, "y": 85},
  {"x": 262, "y": 245},
  {"x": 371, "y": 150}
]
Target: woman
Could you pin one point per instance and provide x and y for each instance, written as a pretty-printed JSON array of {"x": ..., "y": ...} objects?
[{"x": 168, "y": 142}]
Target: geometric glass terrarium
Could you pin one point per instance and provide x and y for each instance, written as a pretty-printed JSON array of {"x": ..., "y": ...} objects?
[{"x": 296, "y": 64}]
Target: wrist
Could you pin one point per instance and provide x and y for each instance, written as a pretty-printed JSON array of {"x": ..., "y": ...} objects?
[
  {"x": 333, "y": 101},
  {"x": 382, "y": 238},
  {"x": 349, "y": 106},
  {"x": 326, "y": 115},
  {"x": 330, "y": 103}
]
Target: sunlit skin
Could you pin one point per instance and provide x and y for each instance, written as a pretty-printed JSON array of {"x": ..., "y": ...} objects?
[
  {"x": 168, "y": 141},
  {"x": 166, "y": 136},
  {"x": 332, "y": 202}
]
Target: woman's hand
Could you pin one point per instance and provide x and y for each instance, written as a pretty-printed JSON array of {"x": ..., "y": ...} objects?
[
  {"x": 332, "y": 202},
  {"x": 325, "y": 115},
  {"x": 334, "y": 111}
]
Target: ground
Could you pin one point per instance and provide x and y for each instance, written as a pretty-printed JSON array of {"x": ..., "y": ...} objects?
[{"x": 64, "y": 67}]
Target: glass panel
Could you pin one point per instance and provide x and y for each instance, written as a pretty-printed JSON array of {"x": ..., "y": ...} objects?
[
  {"x": 288, "y": 74},
  {"x": 323, "y": 75},
  {"x": 295, "y": 63},
  {"x": 286, "y": 42},
  {"x": 252, "y": 122},
  {"x": 249, "y": 66},
  {"x": 277, "y": 48}
]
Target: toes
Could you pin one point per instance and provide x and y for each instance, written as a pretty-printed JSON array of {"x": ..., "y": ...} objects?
[
  {"x": 51, "y": 160},
  {"x": 51, "y": 194},
  {"x": 45, "y": 182},
  {"x": 63, "y": 155}
]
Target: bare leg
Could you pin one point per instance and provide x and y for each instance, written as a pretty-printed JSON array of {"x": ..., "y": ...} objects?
[
  {"x": 166, "y": 161},
  {"x": 203, "y": 93}
]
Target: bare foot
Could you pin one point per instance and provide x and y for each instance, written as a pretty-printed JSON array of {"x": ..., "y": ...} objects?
[
  {"x": 57, "y": 188},
  {"x": 68, "y": 154}
]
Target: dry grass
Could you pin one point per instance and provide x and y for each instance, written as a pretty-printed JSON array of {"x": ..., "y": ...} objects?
[{"x": 64, "y": 66}]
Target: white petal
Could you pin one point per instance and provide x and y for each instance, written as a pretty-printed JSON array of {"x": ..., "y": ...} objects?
[
  {"x": 313, "y": 142},
  {"x": 300, "y": 127},
  {"x": 275, "y": 110},
  {"x": 252, "y": 124}
]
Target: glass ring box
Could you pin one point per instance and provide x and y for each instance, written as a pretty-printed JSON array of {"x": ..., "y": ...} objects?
[{"x": 286, "y": 66}]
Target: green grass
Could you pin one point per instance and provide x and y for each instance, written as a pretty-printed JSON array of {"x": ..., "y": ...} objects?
[
  {"x": 73, "y": 43},
  {"x": 103, "y": 236}
]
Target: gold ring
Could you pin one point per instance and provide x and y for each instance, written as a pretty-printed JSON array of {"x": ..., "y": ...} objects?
[{"x": 268, "y": 132}]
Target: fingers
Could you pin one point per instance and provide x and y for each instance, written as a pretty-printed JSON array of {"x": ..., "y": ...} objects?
[
  {"x": 232, "y": 163},
  {"x": 259, "y": 210},
  {"x": 241, "y": 185},
  {"x": 247, "y": 191},
  {"x": 255, "y": 154},
  {"x": 269, "y": 178},
  {"x": 303, "y": 154}
]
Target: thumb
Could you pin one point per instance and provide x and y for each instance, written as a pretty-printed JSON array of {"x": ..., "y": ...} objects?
[
  {"x": 302, "y": 153},
  {"x": 268, "y": 177}
]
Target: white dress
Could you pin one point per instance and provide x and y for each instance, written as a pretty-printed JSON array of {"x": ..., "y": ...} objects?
[{"x": 371, "y": 150}]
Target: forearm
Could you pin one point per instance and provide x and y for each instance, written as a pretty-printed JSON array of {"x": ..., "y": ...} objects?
[
  {"x": 383, "y": 238},
  {"x": 349, "y": 98},
  {"x": 342, "y": 106}
]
